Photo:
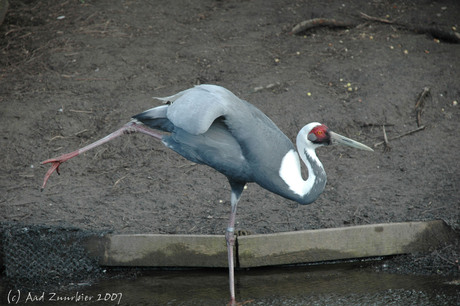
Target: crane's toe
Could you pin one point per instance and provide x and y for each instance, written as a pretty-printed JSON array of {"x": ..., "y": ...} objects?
[{"x": 55, "y": 163}]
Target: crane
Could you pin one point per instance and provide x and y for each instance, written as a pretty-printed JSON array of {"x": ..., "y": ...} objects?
[{"x": 209, "y": 125}]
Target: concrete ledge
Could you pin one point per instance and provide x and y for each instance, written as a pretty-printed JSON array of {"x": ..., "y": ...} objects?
[
  {"x": 155, "y": 250},
  {"x": 341, "y": 243},
  {"x": 271, "y": 249}
]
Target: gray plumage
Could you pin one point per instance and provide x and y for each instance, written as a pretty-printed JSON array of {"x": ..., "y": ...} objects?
[{"x": 210, "y": 125}]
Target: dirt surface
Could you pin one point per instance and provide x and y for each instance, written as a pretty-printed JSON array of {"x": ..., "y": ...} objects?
[{"x": 73, "y": 71}]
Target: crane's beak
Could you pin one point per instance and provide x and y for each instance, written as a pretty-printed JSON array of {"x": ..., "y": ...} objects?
[{"x": 339, "y": 139}]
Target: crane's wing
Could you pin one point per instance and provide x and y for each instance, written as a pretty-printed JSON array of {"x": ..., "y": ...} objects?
[
  {"x": 195, "y": 109},
  {"x": 210, "y": 125}
]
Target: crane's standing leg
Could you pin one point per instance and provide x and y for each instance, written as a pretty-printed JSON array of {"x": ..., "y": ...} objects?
[
  {"x": 131, "y": 127},
  {"x": 237, "y": 189}
]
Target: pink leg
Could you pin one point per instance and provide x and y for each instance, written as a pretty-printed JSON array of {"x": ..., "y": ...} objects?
[
  {"x": 230, "y": 238},
  {"x": 128, "y": 128},
  {"x": 237, "y": 189}
]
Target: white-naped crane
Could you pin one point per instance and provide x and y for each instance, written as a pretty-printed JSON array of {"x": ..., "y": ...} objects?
[{"x": 209, "y": 125}]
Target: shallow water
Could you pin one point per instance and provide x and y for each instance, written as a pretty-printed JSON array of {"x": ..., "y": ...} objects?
[{"x": 307, "y": 285}]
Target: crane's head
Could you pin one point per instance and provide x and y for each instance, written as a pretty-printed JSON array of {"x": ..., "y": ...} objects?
[{"x": 317, "y": 134}]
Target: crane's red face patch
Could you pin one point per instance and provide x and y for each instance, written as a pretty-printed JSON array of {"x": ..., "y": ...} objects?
[{"x": 320, "y": 135}]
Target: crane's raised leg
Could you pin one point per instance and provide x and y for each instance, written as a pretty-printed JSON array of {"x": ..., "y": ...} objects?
[
  {"x": 237, "y": 189},
  {"x": 131, "y": 127}
]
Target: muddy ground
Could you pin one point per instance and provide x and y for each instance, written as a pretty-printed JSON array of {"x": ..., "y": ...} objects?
[{"x": 73, "y": 71}]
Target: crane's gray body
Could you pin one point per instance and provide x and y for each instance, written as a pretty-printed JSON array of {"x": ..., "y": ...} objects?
[{"x": 210, "y": 125}]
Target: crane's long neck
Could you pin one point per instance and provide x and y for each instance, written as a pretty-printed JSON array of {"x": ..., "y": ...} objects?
[{"x": 306, "y": 191}]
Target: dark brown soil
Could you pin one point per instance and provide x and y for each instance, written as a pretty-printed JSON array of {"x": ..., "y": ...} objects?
[{"x": 73, "y": 71}]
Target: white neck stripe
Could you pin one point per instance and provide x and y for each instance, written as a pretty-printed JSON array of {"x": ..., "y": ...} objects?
[{"x": 291, "y": 175}]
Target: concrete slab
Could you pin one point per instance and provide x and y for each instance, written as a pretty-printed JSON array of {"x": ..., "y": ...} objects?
[
  {"x": 341, "y": 243},
  {"x": 155, "y": 250}
]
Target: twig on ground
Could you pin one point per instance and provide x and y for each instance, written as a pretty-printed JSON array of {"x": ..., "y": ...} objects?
[
  {"x": 320, "y": 22},
  {"x": 385, "y": 140},
  {"x": 81, "y": 132},
  {"x": 56, "y": 137},
  {"x": 369, "y": 124},
  {"x": 367, "y": 17},
  {"x": 420, "y": 104},
  {"x": 119, "y": 180},
  {"x": 400, "y": 136},
  {"x": 434, "y": 31}
]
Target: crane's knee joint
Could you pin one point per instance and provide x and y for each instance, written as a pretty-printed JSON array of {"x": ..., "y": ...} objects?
[{"x": 131, "y": 128}]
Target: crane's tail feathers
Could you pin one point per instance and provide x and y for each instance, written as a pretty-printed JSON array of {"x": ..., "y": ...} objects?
[{"x": 155, "y": 118}]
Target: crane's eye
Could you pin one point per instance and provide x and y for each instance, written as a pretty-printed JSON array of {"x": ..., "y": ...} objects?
[{"x": 319, "y": 134}]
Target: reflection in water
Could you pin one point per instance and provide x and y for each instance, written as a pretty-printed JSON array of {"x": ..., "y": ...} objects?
[{"x": 342, "y": 284}]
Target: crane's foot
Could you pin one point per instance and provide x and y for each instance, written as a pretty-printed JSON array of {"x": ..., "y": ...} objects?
[
  {"x": 56, "y": 162},
  {"x": 235, "y": 303}
]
